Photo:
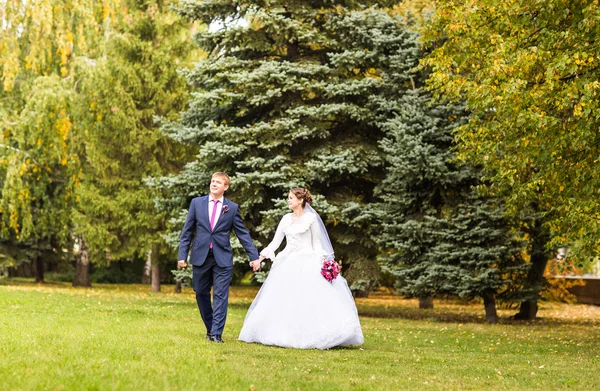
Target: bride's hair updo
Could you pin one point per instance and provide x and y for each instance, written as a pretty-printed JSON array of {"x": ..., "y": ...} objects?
[{"x": 302, "y": 194}]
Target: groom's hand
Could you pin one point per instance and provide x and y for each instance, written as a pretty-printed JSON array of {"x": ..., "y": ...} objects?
[
  {"x": 255, "y": 265},
  {"x": 182, "y": 264}
]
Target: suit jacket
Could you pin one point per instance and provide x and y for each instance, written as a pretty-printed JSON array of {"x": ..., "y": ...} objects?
[{"x": 197, "y": 226}]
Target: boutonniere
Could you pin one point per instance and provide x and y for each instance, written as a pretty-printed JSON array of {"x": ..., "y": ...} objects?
[{"x": 225, "y": 209}]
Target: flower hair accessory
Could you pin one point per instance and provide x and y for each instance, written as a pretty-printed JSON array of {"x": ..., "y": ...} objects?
[
  {"x": 330, "y": 270},
  {"x": 225, "y": 209}
]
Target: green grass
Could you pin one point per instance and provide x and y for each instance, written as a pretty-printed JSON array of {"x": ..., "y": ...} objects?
[{"x": 123, "y": 337}]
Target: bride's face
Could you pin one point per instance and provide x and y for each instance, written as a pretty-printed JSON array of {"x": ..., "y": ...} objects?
[{"x": 293, "y": 201}]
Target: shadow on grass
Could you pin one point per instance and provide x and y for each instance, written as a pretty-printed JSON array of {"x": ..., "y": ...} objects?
[
  {"x": 452, "y": 312},
  {"x": 381, "y": 304},
  {"x": 239, "y": 305},
  {"x": 30, "y": 282},
  {"x": 417, "y": 314}
]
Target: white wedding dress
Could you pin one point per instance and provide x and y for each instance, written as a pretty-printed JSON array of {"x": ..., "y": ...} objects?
[{"x": 296, "y": 307}]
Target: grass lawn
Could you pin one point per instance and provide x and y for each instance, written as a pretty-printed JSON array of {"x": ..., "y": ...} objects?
[{"x": 123, "y": 337}]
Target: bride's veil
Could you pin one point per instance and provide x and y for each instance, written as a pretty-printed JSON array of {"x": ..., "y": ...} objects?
[{"x": 325, "y": 242}]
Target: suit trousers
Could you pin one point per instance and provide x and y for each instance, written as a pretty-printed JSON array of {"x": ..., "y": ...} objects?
[{"x": 208, "y": 275}]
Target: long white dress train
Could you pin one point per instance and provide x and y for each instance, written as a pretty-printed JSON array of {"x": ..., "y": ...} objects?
[{"x": 296, "y": 307}]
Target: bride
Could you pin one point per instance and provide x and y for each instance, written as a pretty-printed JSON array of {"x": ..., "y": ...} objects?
[{"x": 296, "y": 307}]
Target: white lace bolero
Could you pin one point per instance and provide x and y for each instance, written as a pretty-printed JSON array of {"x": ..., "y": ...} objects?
[{"x": 302, "y": 235}]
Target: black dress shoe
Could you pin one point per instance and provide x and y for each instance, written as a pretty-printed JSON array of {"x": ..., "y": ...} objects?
[
  {"x": 208, "y": 336},
  {"x": 216, "y": 338}
]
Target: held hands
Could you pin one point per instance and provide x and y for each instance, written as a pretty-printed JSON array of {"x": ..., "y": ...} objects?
[{"x": 255, "y": 265}]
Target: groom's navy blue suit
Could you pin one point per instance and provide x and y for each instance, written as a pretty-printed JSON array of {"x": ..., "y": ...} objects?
[{"x": 213, "y": 267}]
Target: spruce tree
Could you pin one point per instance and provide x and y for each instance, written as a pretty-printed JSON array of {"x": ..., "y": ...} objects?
[
  {"x": 480, "y": 243},
  {"x": 437, "y": 236},
  {"x": 282, "y": 101}
]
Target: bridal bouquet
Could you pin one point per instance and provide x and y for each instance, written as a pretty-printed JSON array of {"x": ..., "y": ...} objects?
[{"x": 330, "y": 270}]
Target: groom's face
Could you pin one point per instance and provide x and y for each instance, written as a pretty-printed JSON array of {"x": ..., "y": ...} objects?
[{"x": 218, "y": 186}]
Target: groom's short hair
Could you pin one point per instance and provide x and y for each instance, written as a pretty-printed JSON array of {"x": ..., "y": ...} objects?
[{"x": 223, "y": 175}]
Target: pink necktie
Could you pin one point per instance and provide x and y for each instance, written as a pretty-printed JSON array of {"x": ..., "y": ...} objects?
[{"x": 212, "y": 217}]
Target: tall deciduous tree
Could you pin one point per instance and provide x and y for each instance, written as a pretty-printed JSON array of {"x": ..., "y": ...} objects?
[
  {"x": 43, "y": 37},
  {"x": 38, "y": 139},
  {"x": 117, "y": 57},
  {"x": 529, "y": 72},
  {"x": 42, "y": 170},
  {"x": 281, "y": 102}
]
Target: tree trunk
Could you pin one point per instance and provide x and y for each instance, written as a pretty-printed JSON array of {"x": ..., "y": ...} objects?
[
  {"x": 426, "y": 303},
  {"x": 292, "y": 50},
  {"x": 155, "y": 259},
  {"x": 535, "y": 275},
  {"x": 360, "y": 293},
  {"x": 82, "y": 266},
  {"x": 147, "y": 268},
  {"x": 528, "y": 310},
  {"x": 39, "y": 269},
  {"x": 489, "y": 302}
]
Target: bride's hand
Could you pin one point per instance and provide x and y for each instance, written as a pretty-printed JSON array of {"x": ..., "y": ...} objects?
[{"x": 255, "y": 265}]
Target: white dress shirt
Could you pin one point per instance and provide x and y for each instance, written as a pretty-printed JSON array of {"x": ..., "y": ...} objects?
[{"x": 210, "y": 209}]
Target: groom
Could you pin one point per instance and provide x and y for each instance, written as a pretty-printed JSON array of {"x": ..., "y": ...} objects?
[{"x": 210, "y": 221}]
